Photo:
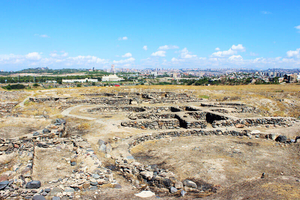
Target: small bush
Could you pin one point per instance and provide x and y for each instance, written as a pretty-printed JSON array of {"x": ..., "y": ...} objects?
[{"x": 14, "y": 87}]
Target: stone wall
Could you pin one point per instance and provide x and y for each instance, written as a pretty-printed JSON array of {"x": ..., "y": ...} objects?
[
  {"x": 279, "y": 121},
  {"x": 45, "y": 99},
  {"x": 105, "y": 101},
  {"x": 197, "y": 115},
  {"x": 85, "y": 176},
  {"x": 7, "y": 107},
  {"x": 152, "y": 124},
  {"x": 152, "y": 116},
  {"x": 117, "y": 109}
]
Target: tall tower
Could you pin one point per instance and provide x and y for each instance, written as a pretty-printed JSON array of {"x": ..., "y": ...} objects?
[{"x": 112, "y": 69}]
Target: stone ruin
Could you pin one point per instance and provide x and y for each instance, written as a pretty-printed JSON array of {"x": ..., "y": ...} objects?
[
  {"x": 19, "y": 180},
  {"x": 200, "y": 119}
]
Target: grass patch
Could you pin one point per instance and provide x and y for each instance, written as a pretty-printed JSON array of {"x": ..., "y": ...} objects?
[{"x": 204, "y": 96}]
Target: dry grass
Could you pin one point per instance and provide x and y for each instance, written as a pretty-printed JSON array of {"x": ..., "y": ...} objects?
[
  {"x": 222, "y": 160},
  {"x": 283, "y": 189}
]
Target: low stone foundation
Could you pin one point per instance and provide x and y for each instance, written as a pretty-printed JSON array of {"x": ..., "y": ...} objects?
[
  {"x": 280, "y": 121},
  {"x": 150, "y": 124}
]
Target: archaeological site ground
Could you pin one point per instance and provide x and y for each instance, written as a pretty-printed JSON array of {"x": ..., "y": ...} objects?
[{"x": 152, "y": 142}]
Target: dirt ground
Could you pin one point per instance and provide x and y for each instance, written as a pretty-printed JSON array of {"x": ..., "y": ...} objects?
[
  {"x": 228, "y": 162},
  {"x": 17, "y": 126},
  {"x": 50, "y": 164}
]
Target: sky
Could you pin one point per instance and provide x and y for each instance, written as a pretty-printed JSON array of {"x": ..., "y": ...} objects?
[{"x": 175, "y": 34}]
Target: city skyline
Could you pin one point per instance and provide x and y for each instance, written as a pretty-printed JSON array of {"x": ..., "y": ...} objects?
[{"x": 143, "y": 34}]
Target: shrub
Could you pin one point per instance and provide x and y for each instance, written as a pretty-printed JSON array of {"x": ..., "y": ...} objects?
[{"x": 14, "y": 87}]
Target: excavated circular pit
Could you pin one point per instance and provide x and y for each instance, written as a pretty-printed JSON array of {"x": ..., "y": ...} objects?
[{"x": 219, "y": 160}]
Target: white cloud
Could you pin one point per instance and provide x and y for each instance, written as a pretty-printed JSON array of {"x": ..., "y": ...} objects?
[
  {"x": 123, "y": 38},
  {"x": 126, "y": 55},
  {"x": 238, "y": 47},
  {"x": 217, "y": 49},
  {"x": 224, "y": 53},
  {"x": 56, "y": 55},
  {"x": 53, "y": 54},
  {"x": 65, "y": 54},
  {"x": 124, "y": 61},
  {"x": 298, "y": 28},
  {"x": 233, "y": 50},
  {"x": 293, "y": 53},
  {"x": 235, "y": 57},
  {"x": 186, "y": 54},
  {"x": 174, "y": 59},
  {"x": 167, "y": 47},
  {"x": 33, "y": 56},
  {"x": 12, "y": 61},
  {"x": 159, "y": 53},
  {"x": 145, "y": 48},
  {"x": 266, "y": 12}
]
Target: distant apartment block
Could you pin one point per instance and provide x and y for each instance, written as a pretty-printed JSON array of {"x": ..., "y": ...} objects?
[
  {"x": 79, "y": 80},
  {"x": 111, "y": 78}
]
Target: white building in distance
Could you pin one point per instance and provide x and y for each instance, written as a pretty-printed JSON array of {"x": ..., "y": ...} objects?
[
  {"x": 111, "y": 78},
  {"x": 79, "y": 80}
]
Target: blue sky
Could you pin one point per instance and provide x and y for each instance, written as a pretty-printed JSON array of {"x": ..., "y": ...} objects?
[{"x": 141, "y": 34}]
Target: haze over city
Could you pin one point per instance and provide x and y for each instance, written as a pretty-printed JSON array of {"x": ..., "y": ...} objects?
[{"x": 149, "y": 34}]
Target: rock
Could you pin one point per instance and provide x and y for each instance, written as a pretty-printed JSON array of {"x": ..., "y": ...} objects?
[
  {"x": 45, "y": 131},
  {"x": 69, "y": 190},
  {"x": 33, "y": 185},
  {"x": 239, "y": 125},
  {"x": 297, "y": 138},
  {"x": 182, "y": 193},
  {"x": 55, "y": 198},
  {"x": 42, "y": 145},
  {"x": 73, "y": 163},
  {"x": 147, "y": 174},
  {"x": 117, "y": 186},
  {"x": 38, "y": 197},
  {"x": 35, "y": 133},
  {"x": 94, "y": 188},
  {"x": 94, "y": 183},
  {"x": 281, "y": 138},
  {"x": 55, "y": 191},
  {"x": 3, "y": 178},
  {"x": 254, "y": 132},
  {"x": 189, "y": 183},
  {"x": 178, "y": 185},
  {"x": 104, "y": 146},
  {"x": 145, "y": 194},
  {"x": 4, "y": 148},
  {"x": 60, "y": 121},
  {"x": 95, "y": 176},
  {"x": 3, "y": 184},
  {"x": 167, "y": 182},
  {"x": 272, "y": 136},
  {"x": 86, "y": 185},
  {"x": 173, "y": 190}
]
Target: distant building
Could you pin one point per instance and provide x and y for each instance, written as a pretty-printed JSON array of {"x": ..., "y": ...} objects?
[
  {"x": 79, "y": 80},
  {"x": 111, "y": 78},
  {"x": 112, "y": 70},
  {"x": 50, "y": 81}
]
